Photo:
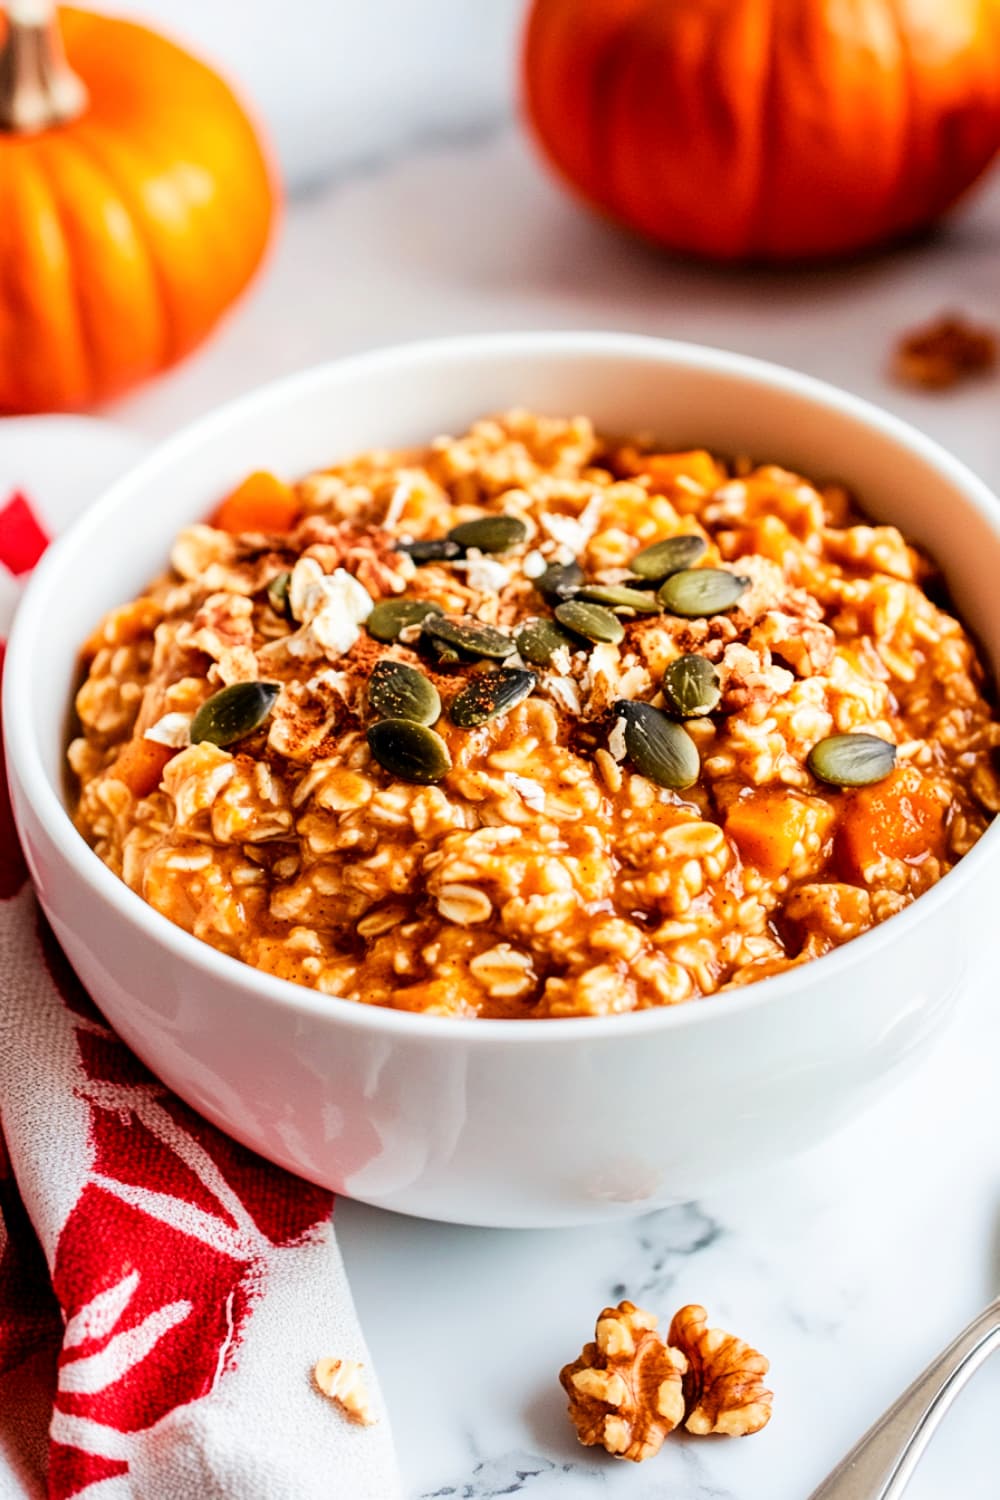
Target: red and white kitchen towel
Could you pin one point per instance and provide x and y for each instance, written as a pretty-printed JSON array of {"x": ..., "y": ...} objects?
[{"x": 164, "y": 1293}]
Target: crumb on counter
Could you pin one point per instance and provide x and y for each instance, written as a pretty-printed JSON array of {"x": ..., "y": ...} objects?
[{"x": 341, "y": 1381}]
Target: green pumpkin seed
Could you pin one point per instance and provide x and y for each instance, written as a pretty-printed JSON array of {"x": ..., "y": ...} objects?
[
  {"x": 468, "y": 638},
  {"x": 233, "y": 713},
  {"x": 691, "y": 687},
  {"x": 696, "y": 592},
  {"x": 410, "y": 751},
  {"x": 668, "y": 556},
  {"x": 490, "y": 533},
  {"x": 592, "y": 621},
  {"x": 851, "y": 759},
  {"x": 277, "y": 594},
  {"x": 539, "y": 640},
  {"x": 444, "y": 656},
  {"x": 618, "y": 596},
  {"x": 390, "y": 616},
  {"x": 657, "y": 747},
  {"x": 438, "y": 549},
  {"x": 491, "y": 694},
  {"x": 559, "y": 581},
  {"x": 396, "y": 691}
]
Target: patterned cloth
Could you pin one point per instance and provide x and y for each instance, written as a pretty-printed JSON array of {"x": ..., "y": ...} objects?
[{"x": 164, "y": 1293}]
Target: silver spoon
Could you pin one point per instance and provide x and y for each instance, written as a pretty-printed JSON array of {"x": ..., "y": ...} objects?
[{"x": 881, "y": 1465}]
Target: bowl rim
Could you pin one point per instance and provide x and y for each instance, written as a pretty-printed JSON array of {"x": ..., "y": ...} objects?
[{"x": 84, "y": 864}]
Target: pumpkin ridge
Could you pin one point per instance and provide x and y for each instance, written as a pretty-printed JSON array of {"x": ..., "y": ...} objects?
[
  {"x": 70, "y": 370},
  {"x": 908, "y": 136},
  {"x": 77, "y": 140},
  {"x": 606, "y": 77},
  {"x": 87, "y": 140},
  {"x": 756, "y": 235},
  {"x": 73, "y": 288}
]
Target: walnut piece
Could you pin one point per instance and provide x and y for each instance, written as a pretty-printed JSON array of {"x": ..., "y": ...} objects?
[
  {"x": 340, "y": 1380},
  {"x": 625, "y": 1390},
  {"x": 723, "y": 1386},
  {"x": 944, "y": 352}
]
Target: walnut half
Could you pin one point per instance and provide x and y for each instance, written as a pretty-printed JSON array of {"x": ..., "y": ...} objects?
[
  {"x": 625, "y": 1391},
  {"x": 723, "y": 1387},
  {"x": 944, "y": 352}
]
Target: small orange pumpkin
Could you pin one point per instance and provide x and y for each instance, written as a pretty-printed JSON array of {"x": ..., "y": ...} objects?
[
  {"x": 750, "y": 130},
  {"x": 135, "y": 204}
]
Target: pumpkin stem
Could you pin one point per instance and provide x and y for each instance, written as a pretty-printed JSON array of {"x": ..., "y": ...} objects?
[{"x": 38, "y": 88}]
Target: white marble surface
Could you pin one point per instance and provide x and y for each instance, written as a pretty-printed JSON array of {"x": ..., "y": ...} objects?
[
  {"x": 850, "y": 1266},
  {"x": 336, "y": 82}
]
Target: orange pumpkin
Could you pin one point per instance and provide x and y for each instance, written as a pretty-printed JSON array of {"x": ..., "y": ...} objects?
[
  {"x": 135, "y": 204},
  {"x": 749, "y": 130}
]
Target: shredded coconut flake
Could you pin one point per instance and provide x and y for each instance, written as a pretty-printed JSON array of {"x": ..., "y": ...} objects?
[
  {"x": 532, "y": 791},
  {"x": 330, "y": 608},
  {"x": 574, "y": 531},
  {"x": 534, "y": 564},
  {"x": 566, "y": 530},
  {"x": 397, "y": 504},
  {"x": 482, "y": 573},
  {"x": 565, "y": 693},
  {"x": 173, "y": 730},
  {"x": 616, "y": 741}
]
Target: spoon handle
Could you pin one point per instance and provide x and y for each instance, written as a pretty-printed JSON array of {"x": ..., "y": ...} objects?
[{"x": 881, "y": 1465}]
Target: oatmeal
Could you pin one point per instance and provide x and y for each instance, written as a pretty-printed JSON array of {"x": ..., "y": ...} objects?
[{"x": 532, "y": 723}]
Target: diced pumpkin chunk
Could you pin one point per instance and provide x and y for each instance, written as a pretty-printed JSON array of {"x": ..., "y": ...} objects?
[
  {"x": 775, "y": 828},
  {"x": 140, "y": 765},
  {"x": 667, "y": 468},
  {"x": 898, "y": 818},
  {"x": 122, "y": 626},
  {"x": 261, "y": 503}
]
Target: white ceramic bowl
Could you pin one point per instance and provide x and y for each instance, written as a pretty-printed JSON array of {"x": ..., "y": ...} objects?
[{"x": 500, "y": 1122}]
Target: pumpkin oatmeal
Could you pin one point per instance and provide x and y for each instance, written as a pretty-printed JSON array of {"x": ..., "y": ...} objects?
[{"x": 531, "y": 723}]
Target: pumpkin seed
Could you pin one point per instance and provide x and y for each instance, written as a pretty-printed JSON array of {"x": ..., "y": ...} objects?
[
  {"x": 491, "y": 694},
  {"x": 390, "y": 616},
  {"x": 468, "y": 637},
  {"x": 410, "y": 751},
  {"x": 444, "y": 656},
  {"x": 619, "y": 596},
  {"x": 539, "y": 640},
  {"x": 851, "y": 759},
  {"x": 691, "y": 687},
  {"x": 233, "y": 713},
  {"x": 657, "y": 747},
  {"x": 438, "y": 549},
  {"x": 277, "y": 594},
  {"x": 396, "y": 691},
  {"x": 592, "y": 621},
  {"x": 559, "y": 581},
  {"x": 489, "y": 533},
  {"x": 695, "y": 592},
  {"x": 668, "y": 556}
]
